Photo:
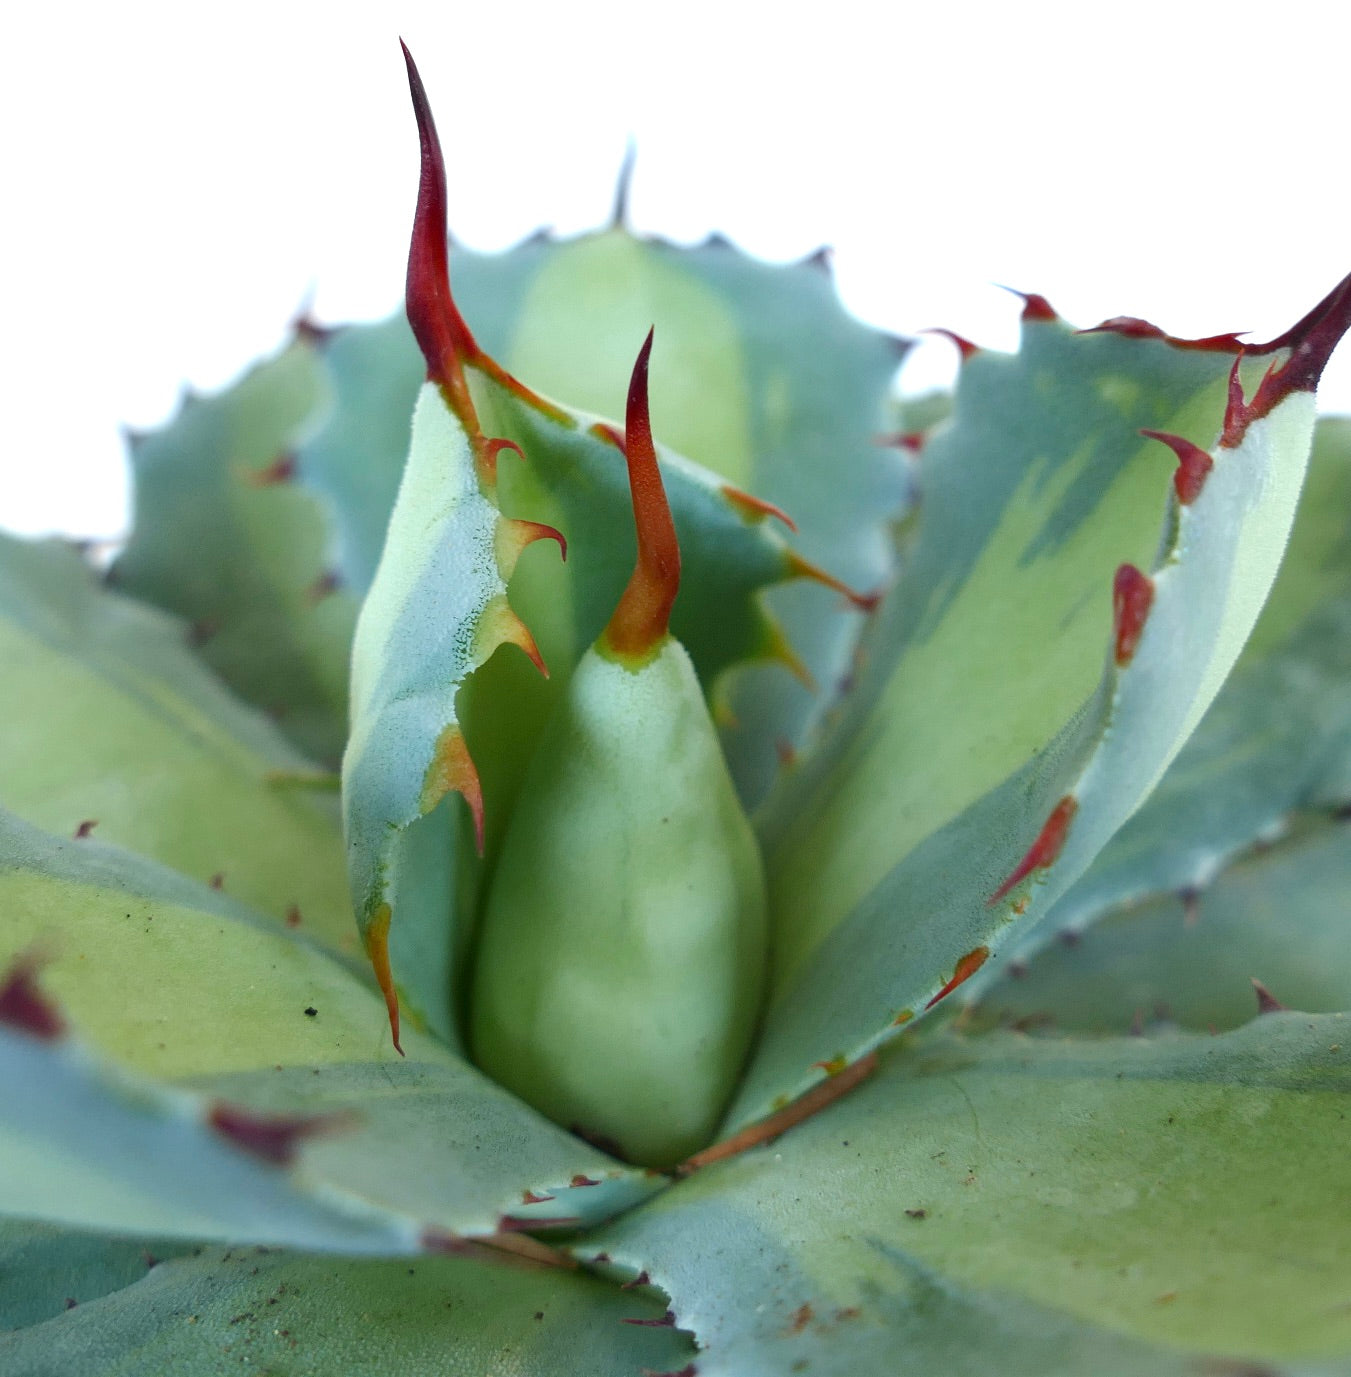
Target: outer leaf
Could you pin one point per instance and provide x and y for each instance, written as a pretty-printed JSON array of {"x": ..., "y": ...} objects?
[
  {"x": 1276, "y": 739},
  {"x": 1281, "y": 915},
  {"x": 44, "y": 1270},
  {"x": 225, "y": 539},
  {"x": 123, "y": 728},
  {"x": 229, "y": 1005},
  {"x": 288, "y": 1314},
  {"x": 1180, "y": 1193},
  {"x": 988, "y": 728}
]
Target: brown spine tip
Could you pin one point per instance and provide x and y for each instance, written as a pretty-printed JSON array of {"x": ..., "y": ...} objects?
[
  {"x": 273, "y": 1138},
  {"x": 965, "y": 968},
  {"x": 819, "y": 260},
  {"x": 86, "y": 829},
  {"x": 1267, "y": 1003},
  {"x": 1310, "y": 342},
  {"x": 24, "y": 1006},
  {"x": 1193, "y": 463},
  {"x": 437, "y": 324},
  {"x": 641, "y": 619},
  {"x": 1045, "y": 849},
  {"x": 1132, "y": 597}
]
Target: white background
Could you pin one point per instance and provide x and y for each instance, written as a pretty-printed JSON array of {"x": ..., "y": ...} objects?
[{"x": 179, "y": 177}]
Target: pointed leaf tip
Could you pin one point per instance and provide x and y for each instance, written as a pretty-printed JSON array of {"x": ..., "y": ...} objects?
[
  {"x": 437, "y": 324},
  {"x": 377, "y": 952},
  {"x": 641, "y": 619},
  {"x": 1311, "y": 341}
]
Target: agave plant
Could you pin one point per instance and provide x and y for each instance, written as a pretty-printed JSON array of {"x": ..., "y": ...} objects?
[{"x": 723, "y": 1002}]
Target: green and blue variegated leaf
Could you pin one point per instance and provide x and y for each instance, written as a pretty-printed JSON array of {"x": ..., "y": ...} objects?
[
  {"x": 1280, "y": 914},
  {"x": 282, "y": 1312},
  {"x": 126, "y": 733},
  {"x": 187, "y": 1000},
  {"x": 1131, "y": 1206},
  {"x": 1276, "y": 740},
  {"x": 224, "y": 538},
  {"x": 1012, "y": 711}
]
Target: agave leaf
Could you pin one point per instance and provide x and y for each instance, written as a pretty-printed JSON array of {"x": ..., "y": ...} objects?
[
  {"x": 1280, "y": 915},
  {"x": 438, "y": 610},
  {"x": 224, "y": 538},
  {"x": 291, "y": 1313},
  {"x": 1276, "y": 739},
  {"x": 46, "y": 1270},
  {"x": 228, "y": 1007},
  {"x": 124, "y": 729},
  {"x": 1121, "y": 1189},
  {"x": 1075, "y": 595}
]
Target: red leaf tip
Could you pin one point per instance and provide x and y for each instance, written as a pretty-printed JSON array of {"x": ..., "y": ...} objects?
[
  {"x": 1310, "y": 342},
  {"x": 643, "y": 615},
  {"x": 439, "y": 328}
]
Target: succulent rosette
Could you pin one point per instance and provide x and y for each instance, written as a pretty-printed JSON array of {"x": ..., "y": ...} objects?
[{"x": 689, "y": 865}]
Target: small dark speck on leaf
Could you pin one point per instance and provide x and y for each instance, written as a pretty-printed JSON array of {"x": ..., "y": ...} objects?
[
  {"x": 311, "y": 1011},
  {"x": 85, "y": 828},
  {"x": 71, "y": 1302},
  {"x": 917, "y": 1214},
  {"x": 539, "y": 1314}
]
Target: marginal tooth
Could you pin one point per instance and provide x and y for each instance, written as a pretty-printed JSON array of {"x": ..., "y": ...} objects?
[
  {"x": 799, "y": 568},
  {"x": 498, "y": 624},
  {"x": 23, "y": 1005},
  {"x": 964, "y": 346},
  {"x": 281, "y": 470},
  {"x": 274, "y": 1138},
  {"x": 1193, "y": 463},
  {"x": 1267, "y": 1003},
  {"x": 1132, "y": 597},
  {"x": 1045, "y": 849},
  {"x": 513, "y": 535},
  {"x": 486, "y": 452},
  {"x": 1035, "y": 306},
  {"x": 965, "y": 968},
  {"x": 452, "y": 770},
  {"x": 754, "y": 509}
]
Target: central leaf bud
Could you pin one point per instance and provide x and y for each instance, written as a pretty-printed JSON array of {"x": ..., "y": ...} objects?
[{"x": 622, "y": 955}]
